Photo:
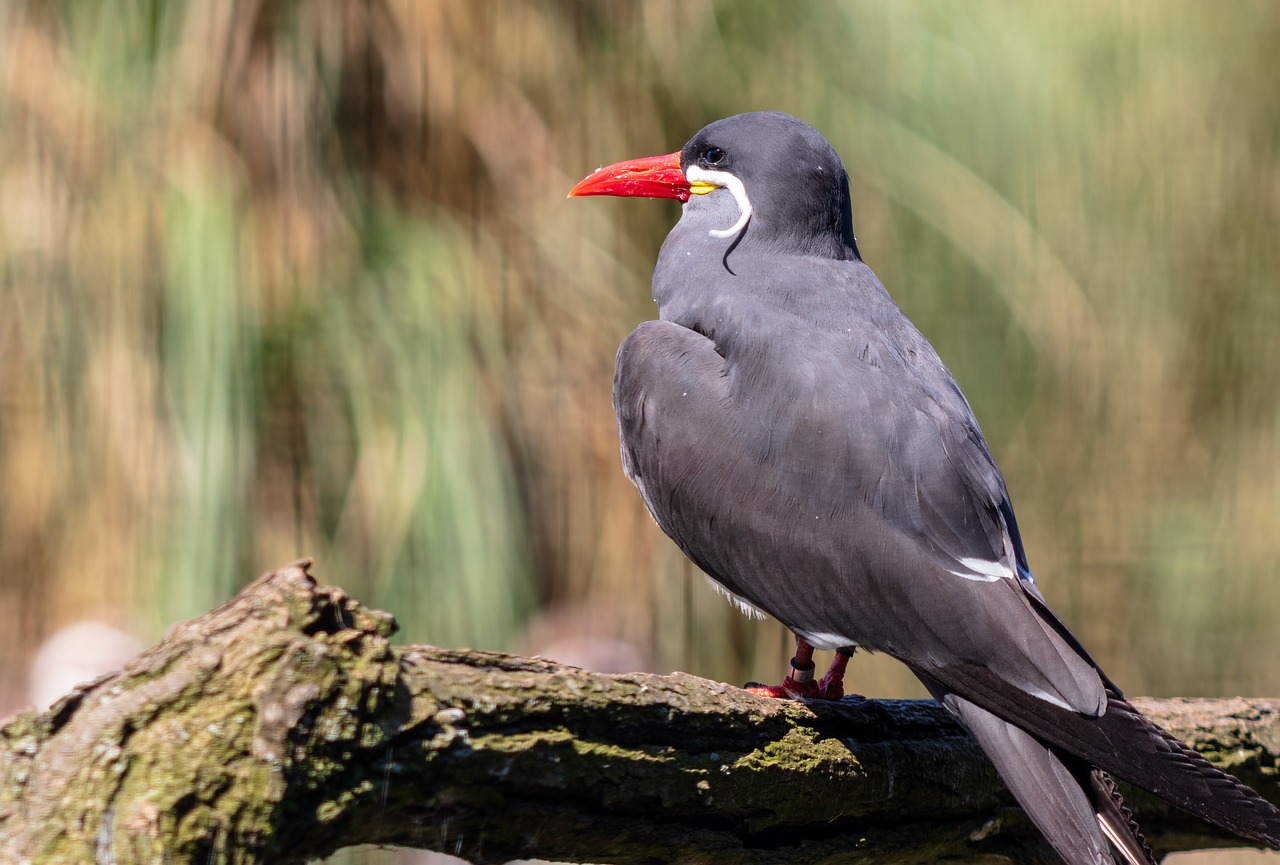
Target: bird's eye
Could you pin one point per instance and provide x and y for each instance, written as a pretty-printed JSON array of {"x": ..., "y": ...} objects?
[{"x": 712, "y": 155}]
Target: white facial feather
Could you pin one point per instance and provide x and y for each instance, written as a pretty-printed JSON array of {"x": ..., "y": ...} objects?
[{"x": 726, "y": 180}]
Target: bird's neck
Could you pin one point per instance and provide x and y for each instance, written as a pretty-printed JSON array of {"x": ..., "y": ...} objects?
[{"x": 747, "y": 297}]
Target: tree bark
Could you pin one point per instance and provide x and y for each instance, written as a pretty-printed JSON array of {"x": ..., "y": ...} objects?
[{"x": 285, "y": 725}]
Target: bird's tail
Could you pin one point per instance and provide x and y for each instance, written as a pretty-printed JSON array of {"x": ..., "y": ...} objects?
[
  {"x": 1124, "y": 743},
  {"x": 1076, "y": 807},
  {"x": 1171, "y": 769}
]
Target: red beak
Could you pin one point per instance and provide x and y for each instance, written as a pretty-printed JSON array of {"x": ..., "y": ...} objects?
[{"x": 650, "y": 177}]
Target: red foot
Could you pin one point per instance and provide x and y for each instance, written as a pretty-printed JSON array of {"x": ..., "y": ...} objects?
[
  {"x": 790, "y": 689},
  {"x": 829, "y": 687}
]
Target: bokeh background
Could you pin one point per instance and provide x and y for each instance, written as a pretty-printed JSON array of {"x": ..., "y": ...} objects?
[{"x": 285, "y": 278}]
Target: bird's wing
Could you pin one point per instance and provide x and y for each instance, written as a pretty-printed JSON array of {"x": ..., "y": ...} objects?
[{"x": 872, "y": 531}]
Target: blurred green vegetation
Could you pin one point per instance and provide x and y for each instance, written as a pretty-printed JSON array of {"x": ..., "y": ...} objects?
[{"x": 285, "y": 278}]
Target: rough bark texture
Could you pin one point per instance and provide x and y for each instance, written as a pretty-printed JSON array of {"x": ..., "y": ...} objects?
[{"x": 284, "y": 725}]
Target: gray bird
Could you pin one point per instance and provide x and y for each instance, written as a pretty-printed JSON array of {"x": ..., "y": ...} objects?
[{"x": 804, "y": 445}]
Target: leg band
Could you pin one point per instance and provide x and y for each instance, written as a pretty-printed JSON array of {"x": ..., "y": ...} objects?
[{"x": 801, "y": 674}]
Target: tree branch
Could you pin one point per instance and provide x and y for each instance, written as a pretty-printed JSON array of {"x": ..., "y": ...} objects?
[{"x": 284, "y": 725}]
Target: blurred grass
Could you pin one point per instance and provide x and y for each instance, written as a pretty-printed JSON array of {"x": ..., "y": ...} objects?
[{"x": 299, "y": 277}]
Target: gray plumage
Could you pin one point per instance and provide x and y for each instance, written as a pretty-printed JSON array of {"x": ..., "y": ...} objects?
[{"x": 804, "y": 445}]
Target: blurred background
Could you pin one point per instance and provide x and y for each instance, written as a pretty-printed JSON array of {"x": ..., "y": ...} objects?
[{"x": 299, "y": 278}]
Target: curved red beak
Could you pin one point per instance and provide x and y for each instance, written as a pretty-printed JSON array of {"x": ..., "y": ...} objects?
[{"x": 650, "y": 177}]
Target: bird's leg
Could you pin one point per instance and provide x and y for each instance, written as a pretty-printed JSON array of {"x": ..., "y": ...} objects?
[
  {"x": 799, "y": 681},
  {"x": 831, "y": 685}
]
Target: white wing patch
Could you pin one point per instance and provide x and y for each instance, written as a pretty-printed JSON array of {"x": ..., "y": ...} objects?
[
  {"x": 983, "y": 571},
  {"x": 744, "y": 606},
  {"x": 1041, "y": 694},
  {"x": 731, "y": 183}
]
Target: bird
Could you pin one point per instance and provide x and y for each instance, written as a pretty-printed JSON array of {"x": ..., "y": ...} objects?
[{"x": 803, "y": 444}]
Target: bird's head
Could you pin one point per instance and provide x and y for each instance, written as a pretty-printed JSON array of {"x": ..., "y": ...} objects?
[{"x": 763, "y": 178}]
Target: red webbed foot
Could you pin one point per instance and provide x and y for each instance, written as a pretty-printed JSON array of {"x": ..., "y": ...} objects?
[
  {"x": 831, "y": 685},
  {"x": 790, "y": 689}
]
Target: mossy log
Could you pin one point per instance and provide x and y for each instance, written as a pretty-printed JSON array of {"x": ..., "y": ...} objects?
[{"x": 285, "y": 725}]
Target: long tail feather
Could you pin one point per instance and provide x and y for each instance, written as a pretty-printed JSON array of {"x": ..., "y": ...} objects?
[
  {"x": 1048, "y": 790},
  {"x": 1126, "y": 744}
]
